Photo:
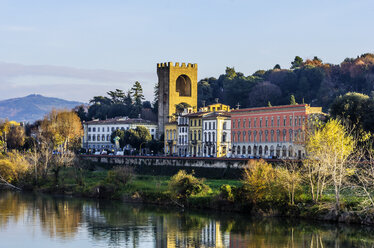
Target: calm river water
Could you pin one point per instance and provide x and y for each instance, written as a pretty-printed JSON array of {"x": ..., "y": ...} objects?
[{"x": 28, "y": 220}]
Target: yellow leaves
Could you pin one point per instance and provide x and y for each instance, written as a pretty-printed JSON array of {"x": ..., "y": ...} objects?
[
  {"x": 13, "y": 166},
  {"x": 350, "y": 171}
]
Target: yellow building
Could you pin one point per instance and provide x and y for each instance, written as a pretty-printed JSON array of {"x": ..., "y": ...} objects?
[
  {"x": 171, "y": 138},
  {"x": 195, "y": 133},
  {"x": 176, "y": 84},
  {"x": 215, "y": 107}
]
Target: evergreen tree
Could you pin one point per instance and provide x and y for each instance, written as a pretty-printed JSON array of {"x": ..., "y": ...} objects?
[{"x": 298, "y": 61}]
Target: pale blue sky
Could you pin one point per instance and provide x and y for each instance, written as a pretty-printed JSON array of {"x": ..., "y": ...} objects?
[{"x": 75, "y": 49}]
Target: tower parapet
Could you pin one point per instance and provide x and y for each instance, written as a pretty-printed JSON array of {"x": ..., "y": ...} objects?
[{"x": 171, "y": 64}]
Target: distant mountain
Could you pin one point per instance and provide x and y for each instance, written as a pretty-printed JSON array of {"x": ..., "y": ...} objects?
[{"x": 32, "y": 107}]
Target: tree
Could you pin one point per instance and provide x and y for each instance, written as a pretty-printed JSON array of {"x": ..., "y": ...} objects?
[
  {"x": 155, "y": 98},
  {"x": 269, "y": 104},
  {"x": 12, "y": 167},
  {"x": 277, "y": 67},
  {"x": 329, "y": 149},
  {"x": 292, "y": 100},
  {"x": 289, "y": 178},
  {"x": 116, "y": 96},
  {"x": 16, "y": 137},
  {"x": 137, "y": 97},
  {"x": 180, "y": 107},
  {"x": 121, "y": 135},
  {"x": 63, "y": 128},
  {"x": 81, "y": 112},
  {"x": 351, "y": 108},
  {"x": 134, "y": 137},
  {"x": 298, "y": 61}
]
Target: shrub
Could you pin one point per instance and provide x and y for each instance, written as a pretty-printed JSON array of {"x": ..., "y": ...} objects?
[
  {"x": 183, "y": 185},
  {"x": 261, "y": 183},
  {"x": 13, "y": 166},
  {"x": 120, "y": 175},
  {"x": 226, "y": 193}
]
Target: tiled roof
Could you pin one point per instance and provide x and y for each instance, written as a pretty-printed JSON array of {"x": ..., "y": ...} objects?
[{"x": 120, "y": 120}]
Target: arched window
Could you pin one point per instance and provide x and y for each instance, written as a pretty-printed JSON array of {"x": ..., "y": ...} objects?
[
  {"x": 238, "y": 136},
  {"x": 272, "y": 135},
  {"x": 194, "y": 135},
  {"x": 233, "y": 136},
  {"x": 290, "y": 134},
  {"x": 213, "y": 136},
  {"x": 249, "y": 136},
  {"x": 238, "y": 150},
  {"x": 255, "y": 136},
  {"x": 260, "y": 134},
  {"x": 205, "y": 140},
  {"x": 284, "y": 134},
  {"x": 209, "y": 137},
  {"x": 199, "y": 136},
  {"x": 249, "y": 150},
  {"x": 266, "y": 135},
  {"x": 183, "y": 85},
  {"x": 278, "y": 135},
  {"x": 243, "y": 149}
]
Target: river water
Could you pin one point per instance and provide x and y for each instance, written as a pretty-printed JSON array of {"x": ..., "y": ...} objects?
[{"x": 28, "y": 220}]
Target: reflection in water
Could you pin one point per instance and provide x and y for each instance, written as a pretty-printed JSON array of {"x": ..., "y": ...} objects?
[{"x": 99, "y": 223}]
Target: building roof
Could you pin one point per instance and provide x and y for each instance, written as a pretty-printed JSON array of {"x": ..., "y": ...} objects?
[
  {"x": 275, "y": 108},
  {"x": 121, "y": 120},
  {"x": 217, "y": 114},
  {"x": 196, "y": 114}
]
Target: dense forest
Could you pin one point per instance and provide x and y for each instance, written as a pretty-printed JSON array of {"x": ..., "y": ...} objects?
[{"x": 311, "y": 81}]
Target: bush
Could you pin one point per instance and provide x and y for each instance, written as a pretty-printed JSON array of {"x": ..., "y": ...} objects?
[
  {"x": 183, "y": 185},
  {"x": 120, "y": 175},
  {"x": 261, "y": 183},
  {"x": 226, "y": 193},
  {"x": 13, "y": 166}
]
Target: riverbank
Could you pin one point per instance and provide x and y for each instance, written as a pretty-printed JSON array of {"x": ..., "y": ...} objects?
[{"x": 154, "y": 190}]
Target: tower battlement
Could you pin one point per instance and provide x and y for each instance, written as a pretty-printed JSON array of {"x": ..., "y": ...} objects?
[{"x": 177, "y": 64}]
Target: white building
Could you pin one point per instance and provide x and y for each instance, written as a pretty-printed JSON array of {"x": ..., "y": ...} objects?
[
  {"x": 216, "y": 134},
  {"x": 97, "y": 132},
  {"x": 182, "y": 144}
]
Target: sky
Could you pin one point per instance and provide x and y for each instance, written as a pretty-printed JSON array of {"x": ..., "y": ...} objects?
[{"x": 77, "y": 49}]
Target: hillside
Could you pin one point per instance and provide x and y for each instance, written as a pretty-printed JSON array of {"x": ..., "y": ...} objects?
[
  {"x": 311, "y": 81},
  {"x": 32, "y": 107}
]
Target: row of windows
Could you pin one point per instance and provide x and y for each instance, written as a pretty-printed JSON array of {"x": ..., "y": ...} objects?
[
  {"x": 194, "y": 135},
  {"x": 193, "y": 123},
  {"x": 264, "y": 151},
  {"x": 110, "y": 129},
  {"x": 99, "y": 137},
  {"x": 170, "y": 134},
  {"x": 261, "y": 136},
  {"x": 244, "y": 123}
]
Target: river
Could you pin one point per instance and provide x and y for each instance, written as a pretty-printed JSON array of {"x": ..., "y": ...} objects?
[{"x": 30, "y": 220}]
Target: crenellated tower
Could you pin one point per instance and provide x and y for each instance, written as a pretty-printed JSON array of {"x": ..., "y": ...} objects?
[{"x": 177, "y": 83}]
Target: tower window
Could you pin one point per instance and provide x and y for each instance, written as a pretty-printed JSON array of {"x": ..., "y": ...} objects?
[{"x": 183, "y": 85}]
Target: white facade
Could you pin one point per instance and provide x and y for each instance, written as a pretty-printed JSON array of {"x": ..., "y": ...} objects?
[
  {"x": 97, "y": 132},
  {"x": 182, "y": 143}
]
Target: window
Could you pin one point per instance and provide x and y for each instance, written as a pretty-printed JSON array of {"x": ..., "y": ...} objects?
[
  {"x": 284, "y": 134},
  {"x": 255, "y": 136},
  {"x": 194, "y": 135},
  {"x": 195, "y": 123},
  {"x": 224, "y": 126},
  {"x": 254, "y": 122},
  {"x": 260, "y": 138},
  {"x": 239, "y": 123},
  {"x": 233, "y": 136},
  {"x": 205, "y": 137},
  {"x": 249, "y": 122},
  {"x": 284, "y": 121},
  {"x": 239, "y": 136},
  {"x": 107, "y": 137},
  {"x": 278, "y": 135},
  {"x": 112, "y": 129},
  {"x": 191, "y": 136},
  {"x": 290, "y": 120},
  {"x": 89, "y": 137},
  {"x": 233, "y": 124},
  {"x": 266, "y": 122},
  {"x": 290, "y": 135},
  {"x": 93, "y": 137},
  {"x": 272, "y": 121},
  {"x": 205, "y": 125},
  {"x": 199, "y": 137},
  {"x": 94, "y": 129},
  {"x": 243, "y": 123},
  {"x": 98, "y": 137},
  {"x": 89, "y": 129},
  {"x": 224, "y": 137},
  {"x": 266, "y": 135},
  {"x": 244, "y": 133},
  {"x": 278, "y": 121},
  {"x": 209, "y": 137},
  {"x": 210, "y": 125},
  {"x": 199, "y": 122},
  {"x": 107, "y": 129},
  {"x": 191, "y": 123},
  {"x": 260, "y": 122},
  {"x": 272, "y": 136},
  {"x": 213, "y": 136},
  {"x": 214, "y": 125},
  {"x": 249, "y": 136}
]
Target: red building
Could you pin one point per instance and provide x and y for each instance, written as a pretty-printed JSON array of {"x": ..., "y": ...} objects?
[{"x": 271, "y": 132}]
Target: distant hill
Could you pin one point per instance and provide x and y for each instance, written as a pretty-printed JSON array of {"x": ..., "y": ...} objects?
[{"x": 32, "y": 107}]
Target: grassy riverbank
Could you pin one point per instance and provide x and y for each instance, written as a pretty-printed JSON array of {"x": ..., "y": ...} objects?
[{"x": 155, "y": 190}]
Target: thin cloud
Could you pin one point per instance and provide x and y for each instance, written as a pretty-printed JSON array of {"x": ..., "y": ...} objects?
[{"x": 12, "y": 70}]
